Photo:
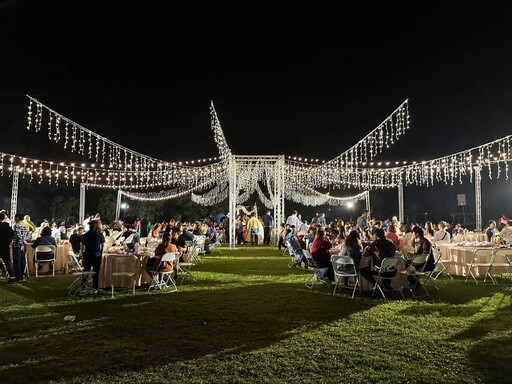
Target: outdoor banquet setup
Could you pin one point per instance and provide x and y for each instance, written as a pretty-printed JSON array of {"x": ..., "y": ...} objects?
[
  {"x": 105, "y": 164},
  {"x": 109, "y": 165}
]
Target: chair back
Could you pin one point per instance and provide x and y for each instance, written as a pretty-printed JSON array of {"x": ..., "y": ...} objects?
[
  {"x": 482, "y": 255},
  {"x": 126, "y": 264},
  {"x": 342, "y": 265},
  {"x": 75, "y": 265},
  {"x": 170, "y": 256},
  {"x": 389, "y": 262},
  {"x": 309, "y": 257},
  {"x": 502, "y": 257},
  {"x": 45, "y": 249}
]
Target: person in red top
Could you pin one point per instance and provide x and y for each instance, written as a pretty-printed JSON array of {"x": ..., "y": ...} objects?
[{"x": 321, "y": 255}]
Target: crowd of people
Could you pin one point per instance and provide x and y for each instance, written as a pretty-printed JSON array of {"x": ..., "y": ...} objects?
[{"x": 369, "y": 240}]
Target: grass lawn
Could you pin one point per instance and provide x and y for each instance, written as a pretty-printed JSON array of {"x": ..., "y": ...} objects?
[{"x": 250, "y": 319}]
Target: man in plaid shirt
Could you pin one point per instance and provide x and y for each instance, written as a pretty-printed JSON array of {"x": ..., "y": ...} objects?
[{"x": 19, "y": 247}]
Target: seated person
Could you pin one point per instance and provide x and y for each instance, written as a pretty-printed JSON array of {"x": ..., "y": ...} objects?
[
  {"x": 321, "y": 255},
  {"x": 352, "y": 247},
  {"x": 161, "y": 249},
  {"x": 76, "y": 239},
  {"x": 392, "y": 236},
  {"x": 421, "y": 247},
  {"x": 441, "y": 234},
  {"x": 46, "y": 238},
  {"x": 506, "y": 232},
  {"x": 295, "y": 248},
  {"x": 372, "y": 258}
]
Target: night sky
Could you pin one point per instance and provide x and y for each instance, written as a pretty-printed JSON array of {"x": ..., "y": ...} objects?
[{"x": 306, "y": 80}]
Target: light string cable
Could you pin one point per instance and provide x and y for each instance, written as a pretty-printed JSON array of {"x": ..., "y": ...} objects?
[{"x": 218, "y": 134}]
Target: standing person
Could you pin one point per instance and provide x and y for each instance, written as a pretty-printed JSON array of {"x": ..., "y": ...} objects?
[
  {"x": 92, "y": 250},
  {"x": 362, "y": 221},
  {"x": 7, "y": 219},
  {"x": 253, "y": 228},
  {"x": 144, "y": 225},
  {"x": 6, "y": 236},
  {"x": 294, "y": 220},
  {"x": 76, "y": 239},
  {"x": 268, "y": 221},
  {"x": 320, "y": 221},
  {"x": 19, "y": 247}
]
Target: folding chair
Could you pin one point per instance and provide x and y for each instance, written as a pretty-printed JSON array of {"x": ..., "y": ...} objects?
[
  {"x": 318, "y": 273},
  {"x": 502, "y": 259},
  {"x": 441, "y": 263},
  {"x": 215, "y": 246},
  {"x": 183, "y": 270},
  {"x": 293, "y": 259},
  {"x": 165, "y": 279},
  {"x": 123, "y": 266},
  {"x": 387, "y": 263},
  {"x": 419, "y": 262},
  {"x": 45, "y": 249},
  {"x": 344, "y": 267},
  {"x": 82, "y": 283},
  {"x": 482, "y": 258},
  {"x": 287, "y": 246}
]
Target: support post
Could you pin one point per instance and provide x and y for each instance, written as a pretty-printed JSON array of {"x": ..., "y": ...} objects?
[
  {"x": 233, "y": 191},
  {"x": 368, "y": 207},
  {"x": 401, "y": 203},
  {"x": 81, "y": 213},
  {"x": 14, "y": 193},
  {"x": 118, "y": 205},
  {"x": 478, "y": 199}
]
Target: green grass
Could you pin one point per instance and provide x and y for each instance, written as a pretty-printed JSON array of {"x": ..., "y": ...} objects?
[{"x": 249, "y": 319}]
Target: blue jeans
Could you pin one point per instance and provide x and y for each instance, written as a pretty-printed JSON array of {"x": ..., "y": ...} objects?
[{"x": 19, "y": 262}]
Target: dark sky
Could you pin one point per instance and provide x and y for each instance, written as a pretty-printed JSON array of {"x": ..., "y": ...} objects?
[{"x": 298, "y": 79}]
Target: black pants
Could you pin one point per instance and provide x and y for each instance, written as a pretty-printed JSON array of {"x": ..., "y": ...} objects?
[
  {"x": 266, "y": 237},
  {"x": 19, "y": 261},
  {"x": 95, "y": 263},
  {"x": 5, "y": 254}
]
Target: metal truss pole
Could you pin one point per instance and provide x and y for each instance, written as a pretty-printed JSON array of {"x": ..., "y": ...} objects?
[
  {"x": 401, "y": 202},
  {"x": 14, "y": 194},
  {"x": 233, "y": 191},
  {"x": 118, "y": 204},
  {"x": 81, "y": 213},
  {"x": 280, "y": 189},
  {"x": 478, "y": 199},
  {"x": 368, "y": 207}
]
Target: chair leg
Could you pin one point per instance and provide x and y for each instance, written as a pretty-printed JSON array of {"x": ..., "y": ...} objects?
[{"x": 112, "y": 290}]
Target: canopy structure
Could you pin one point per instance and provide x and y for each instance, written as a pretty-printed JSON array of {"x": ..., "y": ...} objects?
[{"x": 237, "y": 177}]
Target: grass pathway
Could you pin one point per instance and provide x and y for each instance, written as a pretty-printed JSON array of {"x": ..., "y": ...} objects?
[{"x": 248, "y": 318}]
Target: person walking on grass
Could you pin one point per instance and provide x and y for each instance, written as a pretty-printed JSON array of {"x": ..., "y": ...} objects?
[{"x": 253, "y": 228}]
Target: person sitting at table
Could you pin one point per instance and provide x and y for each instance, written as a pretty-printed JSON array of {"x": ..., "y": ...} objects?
[
  {"x": 155, "y": 233},
  {"x": 46, "y": 238},
  {"x": 352, "y": 246},
  {"x": 76, "y": 239},
  {"x": 506, "y": 232},
  {"x": 392, "y": 236},
  {"x": 442, "y": 234},
  {"x": 322, "y": 256},
  {"x": 161, "y": 249},
  {"x": 421, "y": 247},
  {"x": 491, "y": 230},
  {"x": 178, "y": 241},
  {"x": 92, "y": 250},
  {"x": 371, "y": 259},
  {"x": 429, "y": 229}
]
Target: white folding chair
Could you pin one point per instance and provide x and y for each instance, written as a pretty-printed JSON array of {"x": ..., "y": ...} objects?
[
  {"x": 82, "y": 283},
  {"x": 344, "y": 267},
  {"x": 384, "y": 274},
  {"x": 44, "y": 249},
  {"x": 123, "y": 266},
  {"x": 442, "y": 262},
  {"x": 482, "y": 258},
  {"x": 161, "y": 279},
  {"x": 419, "y": 262},
  {"x": 502, "y": 259},
  {"x": 318, "y": 273},
  {"x": 183, "y": 270}
]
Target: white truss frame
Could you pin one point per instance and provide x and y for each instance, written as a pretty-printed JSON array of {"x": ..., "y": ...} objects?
[{"x": 273, "y": 167}]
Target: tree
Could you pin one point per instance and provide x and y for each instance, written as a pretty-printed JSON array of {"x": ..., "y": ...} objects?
[
  {"x": 106, "y": 207},
  {"x": 64, "y": 208}
]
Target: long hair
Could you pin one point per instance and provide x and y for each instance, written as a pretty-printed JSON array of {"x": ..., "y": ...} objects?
[
  {"x": 94, "y": 226},
  {"x": 351, "y": 239},
  {"x": 166, "y": 239}
]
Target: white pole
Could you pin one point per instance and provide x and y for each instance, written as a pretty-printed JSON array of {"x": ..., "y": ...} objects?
[
  {"x": 478, "y": 199},
  {"x": 14, "y": 193},
  {"x": 118, "y": 205},
  {"x": 81, "y": 213},
  {"x": 232, "y": 201},
  {"x": 401, "y": 203},
  {"x": 368, "y": 207}
]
